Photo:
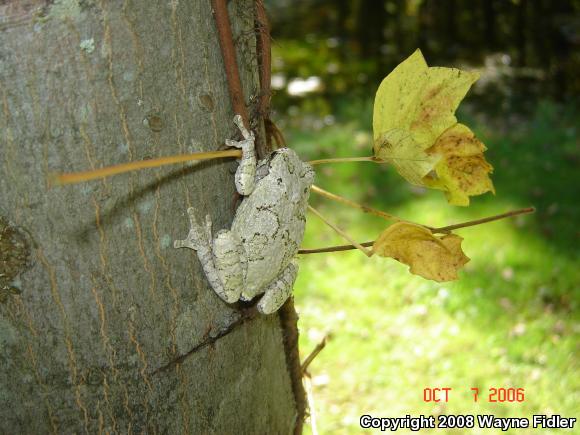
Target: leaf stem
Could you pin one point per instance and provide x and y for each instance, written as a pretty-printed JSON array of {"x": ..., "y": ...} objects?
[
  {"x": 484, "y": 220},
  {"x": 336, "y": 248},
  {"x": 353, "y": 204},
  {"x": 353, "y": 242},
  {"x": 345, "y": 160},
  {"x": 435, "y": 230},
  {"x": 362, "y": 207},
  {"x": 79, "y": 177}
]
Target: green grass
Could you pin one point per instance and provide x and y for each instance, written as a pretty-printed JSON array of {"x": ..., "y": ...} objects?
[{"x": 510, "y": 321}]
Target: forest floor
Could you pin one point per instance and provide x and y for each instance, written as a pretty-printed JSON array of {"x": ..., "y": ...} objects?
[{"x": 510, "y": 321}]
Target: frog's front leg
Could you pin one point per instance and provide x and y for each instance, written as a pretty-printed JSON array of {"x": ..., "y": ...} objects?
[
  {"x": 219, "y": 259},
  {"x": 278, "y": 291},
  {"x": 246, "y": 172}
]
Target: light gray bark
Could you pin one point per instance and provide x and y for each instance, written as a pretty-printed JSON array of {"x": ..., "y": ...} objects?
[{"x": 104, "y": 299}]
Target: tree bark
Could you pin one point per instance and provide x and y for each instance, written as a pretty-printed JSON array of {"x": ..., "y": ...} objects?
[{"x": 104, "y": 327}]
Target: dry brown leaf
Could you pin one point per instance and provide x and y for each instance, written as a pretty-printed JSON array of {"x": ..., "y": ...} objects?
[
  {"x": 462, "y": 170},
  {"x": 432, "y": 257}
]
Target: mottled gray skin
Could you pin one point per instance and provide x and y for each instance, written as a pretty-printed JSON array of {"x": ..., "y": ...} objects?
[{"x": 256, "y": 255}]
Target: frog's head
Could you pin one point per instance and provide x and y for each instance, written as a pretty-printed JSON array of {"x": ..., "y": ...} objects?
[
  {"x": 296, "y": 175},
  {"x": 285, "y": 160}
]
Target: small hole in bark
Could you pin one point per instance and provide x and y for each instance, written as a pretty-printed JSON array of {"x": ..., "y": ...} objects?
[{"x": 154, "y": 122}]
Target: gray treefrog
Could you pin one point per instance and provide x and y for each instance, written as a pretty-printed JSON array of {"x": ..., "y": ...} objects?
[{"x": 257, "y": 254}]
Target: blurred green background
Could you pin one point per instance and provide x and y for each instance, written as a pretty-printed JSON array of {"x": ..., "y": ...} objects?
[{"x": 512, "y": 318}]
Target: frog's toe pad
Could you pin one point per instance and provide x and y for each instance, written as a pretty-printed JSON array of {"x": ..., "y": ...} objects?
[{"x": 233, "y": 143}]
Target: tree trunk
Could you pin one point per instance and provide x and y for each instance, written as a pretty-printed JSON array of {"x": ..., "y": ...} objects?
[{"x": 104, "y": 327}]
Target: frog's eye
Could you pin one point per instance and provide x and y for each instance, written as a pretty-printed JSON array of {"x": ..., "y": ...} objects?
[
  {"x": 289, "y": 164},
  {"x": 307, "y": 174}
]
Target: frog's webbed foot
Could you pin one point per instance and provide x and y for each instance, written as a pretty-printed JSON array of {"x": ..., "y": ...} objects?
[
  {"x": 246, "y": 172},
  {"x": 199, "y": 239},
  {"x": 278, "y": 291}
]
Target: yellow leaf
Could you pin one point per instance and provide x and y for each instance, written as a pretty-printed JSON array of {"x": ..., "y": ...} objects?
[
  {"x": 414, "y": 106},
  {"x": 432, "y": 257},
  {"x": 462, "y": 170},
  {"x": 442, "y": 92},
  {"x": 396, "y": 98},
  {"x": 398, "y": 148}
]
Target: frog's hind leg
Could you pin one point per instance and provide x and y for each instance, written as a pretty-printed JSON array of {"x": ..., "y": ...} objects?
[
  {"x": 278, "y": 291},
  {"x": 199, "y": 239},
  {"x": 230, "y": 263}
]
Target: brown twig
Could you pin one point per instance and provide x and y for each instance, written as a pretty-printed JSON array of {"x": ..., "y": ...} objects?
[
  {"x": 485, "y": 220},
  {"x": 346, "y": 160},
  {"x": 342, "y": 233},
  {"x": 362, "y": 207},
  {"x": 289, "y": 324},
  {"x": 435, "y": 230},
  {"x": 314, "y": 353},
  {"x": 264, "y": 50},
  {"x": 273, "y": 132},
  {"x": 336, "y": 248},
  {"x": 308, "y": 384},
  {"x": 226, "y": 39}
]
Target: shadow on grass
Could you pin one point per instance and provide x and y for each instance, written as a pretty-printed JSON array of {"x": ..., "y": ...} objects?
[{"x": 537, "y": 162}]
